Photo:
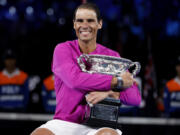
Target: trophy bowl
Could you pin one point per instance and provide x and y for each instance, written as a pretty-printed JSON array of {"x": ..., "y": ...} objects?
[{"x": 107, "y": 64}]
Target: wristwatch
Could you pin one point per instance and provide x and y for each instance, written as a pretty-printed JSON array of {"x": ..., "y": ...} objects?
[{"x": 119, "y": 85}]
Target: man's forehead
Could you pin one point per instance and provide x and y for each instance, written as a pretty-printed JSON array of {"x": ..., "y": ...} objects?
[{"x": 85, "y": 13}]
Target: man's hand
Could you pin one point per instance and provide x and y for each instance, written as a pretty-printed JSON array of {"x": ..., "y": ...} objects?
[
  {"x": 128, "y": 79},
  {"x": 114, "y": 95},
  {"x": 97, "y": 96}
]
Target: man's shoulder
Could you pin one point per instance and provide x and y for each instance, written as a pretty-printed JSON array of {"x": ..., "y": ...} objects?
[
  {"x": 23, "y": 74},
  {"x": 49, "y": 78},
  {"x": 66, "y": 44},
  {"x": 171, "y": 81},
  {"x": 107, "y": 51},
  {"x": 173, "y": 85},
  {"x": 1, "y": 74}
]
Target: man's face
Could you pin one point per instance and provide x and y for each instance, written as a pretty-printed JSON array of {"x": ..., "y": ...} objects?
[
  {"x": 86, "y": 24},
  {"x": 10, "y": 63}
]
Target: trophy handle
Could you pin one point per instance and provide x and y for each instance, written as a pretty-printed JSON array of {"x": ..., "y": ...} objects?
[
  {"x": 81, "y": 62},
  {"x": 137, "y": 68}
]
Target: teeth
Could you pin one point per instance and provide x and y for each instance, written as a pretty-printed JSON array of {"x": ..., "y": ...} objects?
[{"x": 84, "y": 32}]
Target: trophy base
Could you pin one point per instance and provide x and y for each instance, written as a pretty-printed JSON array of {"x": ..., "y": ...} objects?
[
  {"x": 105, "y": 113},
  {"x": 97, "y": 123}
]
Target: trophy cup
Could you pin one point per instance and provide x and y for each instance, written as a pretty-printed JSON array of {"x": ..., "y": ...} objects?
[{"x": 106, "y": 111}]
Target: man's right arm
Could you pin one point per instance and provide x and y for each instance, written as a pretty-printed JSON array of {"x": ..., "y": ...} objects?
[{"x": 67, "y": 69}]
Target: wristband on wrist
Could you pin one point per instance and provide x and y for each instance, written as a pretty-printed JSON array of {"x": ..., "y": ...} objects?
[
  {"x": 119, "y": 83},
  {"x": 119, "y": 86}
]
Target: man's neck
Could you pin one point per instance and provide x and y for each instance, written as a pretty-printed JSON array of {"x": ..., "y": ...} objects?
[
  {"x": 87, "y": 47},
  {"x": 10, "y": 70},
  {"x": 11, "y": 73}
]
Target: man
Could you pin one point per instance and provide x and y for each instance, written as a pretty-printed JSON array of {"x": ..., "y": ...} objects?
[
  {"x": 71, "y": 84},
  {"x": 172, "y": 93},
  {"x": 14, "y": 91},
  {"x": 48, "y": 94}
]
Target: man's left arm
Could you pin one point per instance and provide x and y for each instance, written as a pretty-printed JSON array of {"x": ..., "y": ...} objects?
[{"x": 129, "y": 96}]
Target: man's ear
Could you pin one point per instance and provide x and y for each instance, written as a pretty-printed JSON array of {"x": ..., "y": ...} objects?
[{"x": 100, "y": 23}]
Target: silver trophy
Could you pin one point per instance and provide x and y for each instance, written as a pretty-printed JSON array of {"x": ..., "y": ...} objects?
[
  {"x": 106, "y": 64},
  {"x": 107, "y": 110}
]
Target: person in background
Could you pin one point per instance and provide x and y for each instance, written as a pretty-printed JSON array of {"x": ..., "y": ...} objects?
[
  {"x": 48, "y": 94},
  {"x": 172, "y": 93},
  {"x": 72, "y": 85},
  {"x": 14, "y": 92}
]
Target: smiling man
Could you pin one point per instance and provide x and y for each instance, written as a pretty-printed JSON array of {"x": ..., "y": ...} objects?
[
  {"x": 71, "y": 84},
  {"x": 86, "y": 25}
]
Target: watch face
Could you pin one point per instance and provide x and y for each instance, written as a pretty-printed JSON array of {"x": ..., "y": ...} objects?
[{"x": 120, "y": 83}]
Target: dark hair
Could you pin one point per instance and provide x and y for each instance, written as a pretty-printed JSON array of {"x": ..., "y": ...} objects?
[{"x": 89, "y": 6}]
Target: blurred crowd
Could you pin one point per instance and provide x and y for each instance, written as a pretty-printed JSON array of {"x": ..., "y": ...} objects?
[{"x": 147, "y": 31}]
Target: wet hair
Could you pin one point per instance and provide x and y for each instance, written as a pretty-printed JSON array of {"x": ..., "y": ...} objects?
[{"x": 89, "y": 6}]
